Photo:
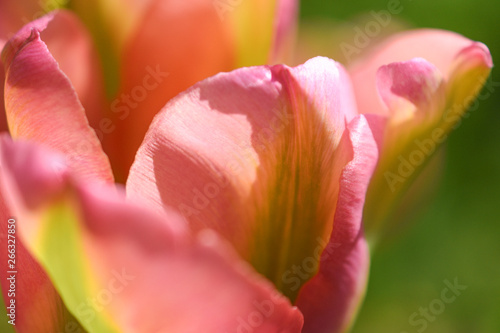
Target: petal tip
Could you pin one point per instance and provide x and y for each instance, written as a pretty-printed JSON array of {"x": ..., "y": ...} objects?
[
  {"x": 479, "y": 52},
  {"x": 24, "y": 36},
  {"x": 34, "y": 173},
  {"x": 415, "y": 80}
]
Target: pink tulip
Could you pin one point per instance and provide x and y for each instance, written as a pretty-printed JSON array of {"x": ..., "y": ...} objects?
[
  {"x": 255, "y": 128},
  {"x": 243, "y": 207},
  {"x": 421, "y": 83}
]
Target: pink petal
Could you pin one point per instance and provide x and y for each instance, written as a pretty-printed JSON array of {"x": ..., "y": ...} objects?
[
  {"x": 162, "y": 278},
  {"x": 422, "y": 81},
  {"x": 468, "y": 74},
  {"x": 35, "y": 188},
  {"x": 330, "y": 299},
  {"x": 411, "y": 88},
  {"x": 415, "y": 80},
  {"x": 438, "y": 47},
  {"x": 209, "y": 169},
  {"x": 206, "y": 168},
  {"x": 230, "y": 170},
  {"x": 326, "y": 86},
  {"x": 476, "y": 54},
  {"x": 41, "y": 104},
  {"x": 206, "y": 287}
]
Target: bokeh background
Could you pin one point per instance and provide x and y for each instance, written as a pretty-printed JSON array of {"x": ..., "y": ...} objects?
[{"x": 457, "y": 234}]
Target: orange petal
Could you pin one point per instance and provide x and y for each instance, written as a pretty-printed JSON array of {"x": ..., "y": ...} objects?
[{"x": 178, "y": 44}]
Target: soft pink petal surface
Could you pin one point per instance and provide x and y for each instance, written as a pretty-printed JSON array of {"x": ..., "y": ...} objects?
[
  {"x": 42, "y": 105},
  {"x": 218, "y": 166},
  {"x": 161, "y": 278},
  {"x": 414, "y": 80},
  {"x": 257, "y": 153}
]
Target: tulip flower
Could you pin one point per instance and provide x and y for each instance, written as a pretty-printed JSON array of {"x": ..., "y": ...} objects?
[
  {"x": 280, "y": 152},
  {"x": 243, "y": 207},
  {"x": 422, "y": 83}
]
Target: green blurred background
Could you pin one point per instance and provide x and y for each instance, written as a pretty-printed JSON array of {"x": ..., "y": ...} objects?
[{"x": 457, "y": 234}]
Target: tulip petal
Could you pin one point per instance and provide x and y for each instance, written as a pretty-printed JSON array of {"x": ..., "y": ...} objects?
[
  {"x": 260, "y": 165},
  {"x": 330, "y": 300},
  {"x": 415, "y": 95},
  {"x": 422, "y": 81},
  {"x": 423, "y": 98},
  {"x": 122, "y": 268},
  {"x": 38, "y": 307},
  {"x": 41, "y": 104},
  {"x": 438, "y": 47},
  {"x": 468, "y": 74},
  {"x": 415, "y": 81}
]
